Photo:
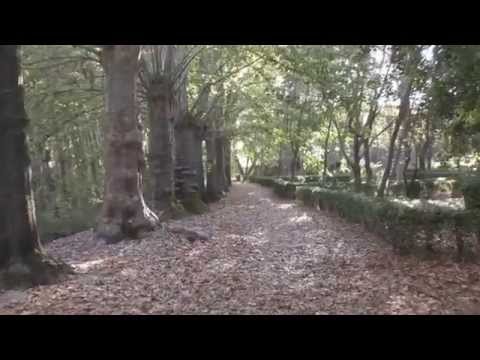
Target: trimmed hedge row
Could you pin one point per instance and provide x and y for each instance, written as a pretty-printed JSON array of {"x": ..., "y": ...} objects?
[
  {"x": 263, "y": 180},
  {"x": 427, "y": 188},
  {"x": 283, "y": 188},
  {"x": 425, "y": 230},
  {"x": 471, "y": 192},
  {"x": 436, "y": 173}
]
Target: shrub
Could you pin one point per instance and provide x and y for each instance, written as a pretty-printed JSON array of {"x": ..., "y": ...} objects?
[
  {"x": 471, "y": 192},
  {"x": 413, "y": 189},
  {"x": 281, "y": 187},
  {"x": 435, "y": 173},
  {"x": 426, "y": 188},
  {"x": 263, "y": 180},
  {"x": 426, "y": 229},
  {"x": 434, "y": 186},
  {"x": 67, "y": 222}
]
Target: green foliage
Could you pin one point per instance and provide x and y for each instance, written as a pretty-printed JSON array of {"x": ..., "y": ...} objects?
[
  {"x": 427, "y": 188},
  {"x": 194, "y": 204},
  {"x": 455, "y": 95},
  {"x": 64, "y": 100},
  {"x": 54, "y": 224},
  {"x": 421, "y": 230},
  {"x": 311, "y": 100},
  {"x": 263, "y": 180},
  {"x": 471, "y": 192},
  {"x": 285, "y": 189},
  {"x": 413, "y": 189}
]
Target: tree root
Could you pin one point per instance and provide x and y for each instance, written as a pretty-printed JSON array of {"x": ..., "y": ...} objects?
[
  {"x": 194, "y": 204},
  {"x": 33, "y": 270}
]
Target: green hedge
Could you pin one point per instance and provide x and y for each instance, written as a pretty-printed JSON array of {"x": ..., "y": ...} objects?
[
  {"x": 263, "y": 180},
  {"x": 425, "y": 230},
  {"x": 471, "y": 192},
  {"x": 427, "y": 188},
  {"x": 436, "y": 173},
  {"x": 283, "y": 188},
  {"x": 66, "y": 223}
]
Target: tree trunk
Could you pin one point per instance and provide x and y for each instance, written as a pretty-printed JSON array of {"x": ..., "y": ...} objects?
[
  {"x": 124, "y": 212},
  {"x": 402, "y": 116},
  {"x": 228, "y": 163},
  {"x": 368, "y": 167},
  {"x": 356, "y": 170},
  {"x": 250, "y": 170},
  {"x": 293, "y": 164},
  {"x": 199, "y": 161},
  {"x": 63, "y": 176},
  {"x": 162, "y": 145},
  {"x": 401, "y": 154},
  {"x": 240, "y": 169},
  {"x": 423, "y": 154},
  {"x": 22, "y": 259},
  {"x": 50, "y": 188},
  {"x": 430, "y": 154},
  {"x": 325, "y": 151},
  {"x": 220, "y": 157},
  {"x": 189, "y": 167},
  {"x": 213, "y": 192},
  {"x": 421, "y": 158},
  {"x": 366, "y": 142},
  {"x": 94, "y": 172},
  {"x": 284, "y": 162}
]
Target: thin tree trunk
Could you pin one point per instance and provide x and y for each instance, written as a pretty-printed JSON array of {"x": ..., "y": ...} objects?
[
  {"x": 199, "y": 161},
  {"x": 354, "y": 164},
  {"x": 228, "y": 163},
  {"x": 284, "y": 161},
  {"x": 372, "y": 114},
  {"x": 94, "y": 172},
  {"x": 63, "y": 175},
  {"x": 401, "y": 154},
  {"x": 366, "y": 157},
  {"x": 356, "y": 170},
  {"x": 220, "y": 163},
  {"x": 240, "y": 169},
  {"x": 251, "y": 169},
  {"x": 124, "y": 212},
  {"x": 49, "y": 179},
  {"x": 402, "y": 116},
  {"x": 325, "y": 151},
  {"x": 22, "y": 259},
  {"x": 426, "y": 145},
  {"x": 293, "y": 163},
  {"x": 213, "y": 192}
]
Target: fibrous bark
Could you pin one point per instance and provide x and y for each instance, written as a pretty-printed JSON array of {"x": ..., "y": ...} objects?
[
  {"x": 188, "y": 172},
  {"x": 213, "y": 192},
  {"x": 124, "y": 212},
  {"x": 22, "y": 259},
  {"x": 162, "y": 145}
]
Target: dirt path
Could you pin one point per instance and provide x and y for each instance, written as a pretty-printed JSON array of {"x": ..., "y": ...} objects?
[{"x": 263, "y": 256}]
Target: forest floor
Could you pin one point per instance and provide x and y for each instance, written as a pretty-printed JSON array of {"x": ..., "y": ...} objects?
[{"x": 263, "y": 256}]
